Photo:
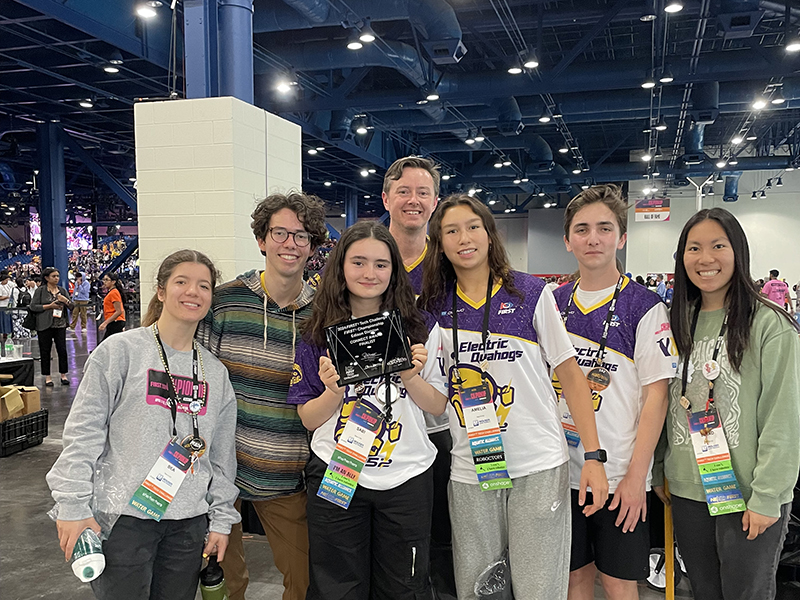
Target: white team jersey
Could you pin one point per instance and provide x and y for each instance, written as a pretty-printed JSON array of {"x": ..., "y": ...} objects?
[{"x": 640, "y": 351}]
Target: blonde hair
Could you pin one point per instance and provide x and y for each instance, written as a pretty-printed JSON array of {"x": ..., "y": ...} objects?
[{"x": 165, "y": 270}]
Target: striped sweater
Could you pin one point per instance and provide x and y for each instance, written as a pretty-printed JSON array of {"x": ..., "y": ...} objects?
[{"x": 256, "y": 344}]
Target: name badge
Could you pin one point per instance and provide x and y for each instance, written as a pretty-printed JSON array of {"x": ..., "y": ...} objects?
[
  {"x": 162, "y": 482},
  {"x": 485, "y": 440},
  {"x": 570, "y": 431},
  {"x": 350, "y": 455},
  {"x": 57, "y": 312},
  {"x": 723, "y": 495}
]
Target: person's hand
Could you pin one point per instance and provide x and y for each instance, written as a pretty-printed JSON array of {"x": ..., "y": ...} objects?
[
  {"x": 328, "y": 375},
  {"x": 62, "y": 298},
  {"x": 756, "y": 524},
  {"x": 631, "y": 498},
  {"x": 70, "y": 531},
  {"x": 662, "y": 494},
  {"x": 102, "y": 326},
  {"x": 593, "y": 475},
  {"x": 419, "y": 356},
  {"x": 217, "y": 544}
]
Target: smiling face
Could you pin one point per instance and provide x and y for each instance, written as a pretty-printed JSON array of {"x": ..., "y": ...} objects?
[
  {"x": 285, "y": 259},
  {"x": 465, "y": 241},
  {"x": 368, "y": 270},
  {"x": 594, "y": 237},
  {"x": 411, "y": 200},
  {"x": 709, "y": 262},
  {"x": 187, "y": 294}
]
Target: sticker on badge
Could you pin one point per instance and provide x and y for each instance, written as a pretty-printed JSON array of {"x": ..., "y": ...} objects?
[
  {"x": 195, "y": 406},
  {"x": 195, "y": 445},
  {"x": 598, "y": 378},
  {"x": 711, "y": 370}
]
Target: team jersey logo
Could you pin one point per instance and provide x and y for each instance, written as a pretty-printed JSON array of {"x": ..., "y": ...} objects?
[
  {"x": 297, "y": 375},
  {"x": 502, "y": 396},
  {"x": 506, "y": 308},
  {"x": 388, "y": 435}
]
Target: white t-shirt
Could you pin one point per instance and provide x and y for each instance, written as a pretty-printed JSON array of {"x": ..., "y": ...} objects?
[
  {"x": 7, "y": 289},
  {"x": 402, "y": 449},
  {"x": 525, "y": 336},
  {"x": 640, "y": 351}
]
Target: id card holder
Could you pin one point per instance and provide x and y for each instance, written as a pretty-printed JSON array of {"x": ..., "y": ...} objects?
[
  {"x": 339, "y": 483},
  {"x": 567, "y": 423},
  {"x": 485, "y": 441},
  {"x": 57, "y": 312},
  {"x": 723, "y": 495},
  {"x": 162, "y": 482}
]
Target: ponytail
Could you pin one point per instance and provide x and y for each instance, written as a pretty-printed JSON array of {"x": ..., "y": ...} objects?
[{"x": 153, "y": 311}]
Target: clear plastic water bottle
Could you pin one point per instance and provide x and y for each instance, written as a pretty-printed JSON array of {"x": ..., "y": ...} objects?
[
  {"x": 9, "y": 348},
  {"x": 88, "y": 560}
]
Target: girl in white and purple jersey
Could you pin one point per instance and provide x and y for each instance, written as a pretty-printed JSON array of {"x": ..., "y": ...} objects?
[
  {"x": 467, "y": 276},
  {"x": 378, "y": 546}
]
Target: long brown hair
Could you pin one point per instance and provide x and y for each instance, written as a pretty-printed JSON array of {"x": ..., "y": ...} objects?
[
  {"x": 438, "y": 275},
  {"x": 332, "y": 301},
  {"x": 165, "y": 270},
  {"x": 742, "y": 297}
]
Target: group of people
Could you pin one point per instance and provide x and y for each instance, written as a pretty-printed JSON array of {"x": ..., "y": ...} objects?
[{"x": 528, "y": 424}]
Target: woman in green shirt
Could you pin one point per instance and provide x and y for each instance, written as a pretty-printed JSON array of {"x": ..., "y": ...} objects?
[{"x": 733, "y": 415}]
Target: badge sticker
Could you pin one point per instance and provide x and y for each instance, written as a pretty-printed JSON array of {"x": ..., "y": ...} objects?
[
  {"x": 598, "y": 378},
  {"x": 711, "y": 370}
]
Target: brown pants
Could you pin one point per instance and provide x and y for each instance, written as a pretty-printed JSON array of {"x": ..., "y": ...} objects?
[
  {"x": 79, "y": 310},
  {"x": 284, "y": 521}
]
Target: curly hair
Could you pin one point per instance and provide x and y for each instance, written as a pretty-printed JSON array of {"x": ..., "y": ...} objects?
[
  {"x": 438, "y": 274},
  {"x": 332, "y": 301},
  {"x": 310, "y": 211}
]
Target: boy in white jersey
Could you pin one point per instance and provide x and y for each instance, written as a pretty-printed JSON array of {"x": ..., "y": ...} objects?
[{"x": 622, "y": 335}]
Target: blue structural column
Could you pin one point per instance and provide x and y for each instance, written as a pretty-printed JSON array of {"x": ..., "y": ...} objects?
[
  {"x": 200, "y": 48},
  {"x": 350, "y": 207},
  {"x": 52, "y": 199},
  {"x": 236, "y": 49}
]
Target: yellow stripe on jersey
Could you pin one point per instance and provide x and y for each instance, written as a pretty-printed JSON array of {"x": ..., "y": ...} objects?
[
  {"x": 480, "y": 304},
  {"x": 602, "y": 302}
]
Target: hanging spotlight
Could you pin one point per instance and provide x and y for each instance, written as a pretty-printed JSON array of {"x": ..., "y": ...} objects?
[
  {"x": 526, "y": 180},
  {"x": 751, "y": 138},
  {"x": 793, "y": 44},
  {"x": 320, "y": 148},
  {"x": 649, "y": 83},
  {"x": 87, "y": 103},
  {"x": 147, "y": 11},
  {"x": 754, "y": 196},
  {"x": 469, "y": 141},
  {"x": 710, "y": 191},
  {"x": 541, "y": 193},
  {"x": 312, "y": 151},
  {"x": 498, "y": 164},
  {"x": 446, "y": 176},
  {"x": 649, "y": 13},
  {"x": 666, "y": 75},
  {"x": 545, "y": 116},
  {"x": 353, "y": 42},
  {"x": 517, "y": 181},
  {"x": 656, "y": 173},
  {"x": 371, "y": 171},
  {"x": 733, "y": 161},
  {"x": 367, "y": 34},
  {"x": 759, "y": 103},
  {"x": 563, "y": 150},
  {"x": 515, "y": 68},
  {"x": 531, "y": 62},
  {"x": 492, "y": 202},
  {"x": 327, "y": 183},
  {"x": 779, "y": 183},
  {"x": 778, "y": 97},
  {"x": 763, "y": 194},
  {"x": 506, "y": 163},
  {"x": 647, "y": 157},
  {"x": 432, "y": 96},
  {"x": 673, "y": 6},
  {"x": 556, "y": 112},
  {"x": 719, "y": 178},
  {"x": 722, "y": 163},
  {"x": 576, "y": 171},
  {"x": 364, "y": 173},
  {"x": 769, "y": 184},
  {"x": 736, "y": 140},
  {"x": 646, "y": 191},
  {"x": 479, "y": 137},
  {"x": 661, "y": 125}
]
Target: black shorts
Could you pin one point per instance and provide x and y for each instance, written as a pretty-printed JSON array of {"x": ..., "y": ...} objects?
[{"x": 596, "y": 539}]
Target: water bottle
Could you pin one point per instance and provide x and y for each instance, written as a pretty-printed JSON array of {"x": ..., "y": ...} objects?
[
  {"x": 9, "y": 347},
  {"x": 212, "y": 581},
  {"x": 88, "y": 560}
]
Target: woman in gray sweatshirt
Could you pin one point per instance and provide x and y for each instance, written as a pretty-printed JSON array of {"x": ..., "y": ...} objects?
[{"x": 149, "y": 446}]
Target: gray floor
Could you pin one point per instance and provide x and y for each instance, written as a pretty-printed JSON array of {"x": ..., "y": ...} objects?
[{"x": 31, "y": 564}]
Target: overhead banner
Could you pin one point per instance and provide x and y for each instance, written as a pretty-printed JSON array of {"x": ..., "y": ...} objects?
[{"x": 652, "y": 209}]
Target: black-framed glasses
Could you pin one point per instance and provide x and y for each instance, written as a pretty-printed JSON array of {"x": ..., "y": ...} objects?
[{"x": 280, "y": 235}]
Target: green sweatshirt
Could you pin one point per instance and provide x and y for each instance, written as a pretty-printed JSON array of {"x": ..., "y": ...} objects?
[{"x": 759, "y": 408}]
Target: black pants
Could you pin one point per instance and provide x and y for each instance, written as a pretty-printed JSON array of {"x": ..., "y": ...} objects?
[
  {"x": 721, "y": 562},
  {"x": 152, "y": 559},
  {"x": 442, "y": 575},
  {"x": 114, "y": 327},
  {"x": 46, "y": 339},
  {"x": 377, "y": 549}
]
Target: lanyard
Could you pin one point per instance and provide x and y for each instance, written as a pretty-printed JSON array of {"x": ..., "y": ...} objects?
[
  {"x": 685, "y": 374},
  {"x": 601, "y": 351},
  {"x": 172, "y": 399},
  {"x": 484, "y": 330}
]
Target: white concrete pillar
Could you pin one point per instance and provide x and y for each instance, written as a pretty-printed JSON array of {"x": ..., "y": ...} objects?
[{"x": 201, "y": 167}]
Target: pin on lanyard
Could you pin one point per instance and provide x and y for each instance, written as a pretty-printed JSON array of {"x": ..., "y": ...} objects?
[
  {"x": 196, "y": 444},
  {"x": 711, "y": 368},
  {"x": 484, "y": 330},
  {"x": 598, "y": 377}
]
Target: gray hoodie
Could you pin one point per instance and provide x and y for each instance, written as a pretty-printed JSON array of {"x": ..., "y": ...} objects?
[{"x": 120, "y": 423}]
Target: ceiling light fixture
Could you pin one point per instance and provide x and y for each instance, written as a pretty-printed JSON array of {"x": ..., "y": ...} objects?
[
  {"x": 666, "y": 76},
  {"x": 763, "y": 194},
  {"x": 87, "y": 103},
  {"x": 778, "y": 97},
  {"x": 563, "y": 150},
  {"x": 649, "y": 83},
  {"x": 145, "y": 11},
  {"x": 576, "y": 171},
  {"x": 545, "y": 116},
  {"x": 327, "y": 183},
  {"x": 506, "y": 163},
  {"x": 445, "y": 176},
  {"x": 517, "y": 181},
  {"x": 721, "y": 163},
  {"x": 759, "y": 103},
  {"x": 779, "y": 183},
  {"x": 364, "y": 173},
  {"x": 556, "y": 112},
  {"x": 312, "y": 151},
  {"x": 367, "y": 34},
  {"x": 661, "y": 125},
  {"x": 737, "y": 139},
  {"x": 733, "y": 161},
  {"x": 647, "y": 157},
  {"x": 515, "y": 69},
  {"x": 793, "y": 44},
  {"x": 751, "y": 138},
  {"x": 479, "y": 137},
  {"x": 498, "y": 164},
  {"x": 526, "y": 180},
  {"x": 531, "y": 62},
  {"x": 673, "y": 6},
  {"x": 353, "y": 42},
  {"x": 754, "y": 196},
  {"x": 111, "y": 69}
]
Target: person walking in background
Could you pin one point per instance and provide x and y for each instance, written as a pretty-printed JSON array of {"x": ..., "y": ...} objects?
[
  {"x": 80, "y": 298},
  {"x": 778, "y": 291},
  {"x": 50, "y": 302},
  {"x": 113, "y": 306},
  {"x": 7, "y": 289}
]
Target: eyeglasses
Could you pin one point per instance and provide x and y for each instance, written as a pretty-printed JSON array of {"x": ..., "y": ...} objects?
[{"x": 280, "y": 235}]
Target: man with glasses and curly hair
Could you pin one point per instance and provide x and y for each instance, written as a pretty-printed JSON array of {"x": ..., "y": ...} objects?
[{"x": 253, "y": 328}]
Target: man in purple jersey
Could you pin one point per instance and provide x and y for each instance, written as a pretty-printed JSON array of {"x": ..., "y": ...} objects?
[{"x": 410, "y": 194}]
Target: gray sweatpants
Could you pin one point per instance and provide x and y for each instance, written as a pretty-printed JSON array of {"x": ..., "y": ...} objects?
[{"x": 532, "y": 519}]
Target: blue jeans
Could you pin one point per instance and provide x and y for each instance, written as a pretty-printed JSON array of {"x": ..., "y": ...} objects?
[
  {"x": 721, "y": 562},
  {"x": 151, "y": 559}
]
